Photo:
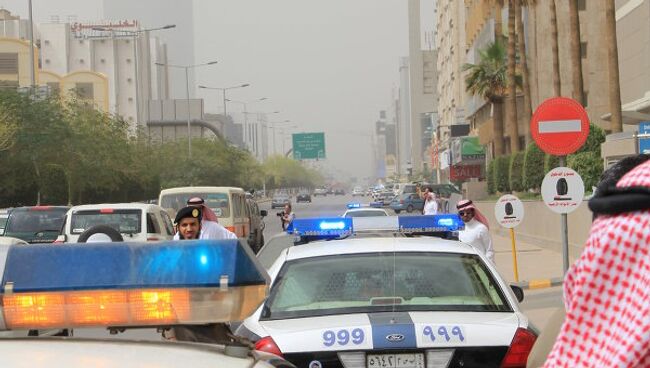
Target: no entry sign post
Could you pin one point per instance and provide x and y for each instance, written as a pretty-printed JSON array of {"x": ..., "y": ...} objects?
[{"x": 560, "y": 126}]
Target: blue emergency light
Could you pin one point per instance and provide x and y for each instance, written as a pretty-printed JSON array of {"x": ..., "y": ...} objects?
[
  {"x": 376, "y": 204},
  {"x": 129, "y": 284},
  {"x": 328, "y": 228},
  {"x": 354, "y": 205}
]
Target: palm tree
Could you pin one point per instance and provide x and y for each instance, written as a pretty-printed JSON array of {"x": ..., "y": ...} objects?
[
  {"x": 489, "y": 80},
  {"x": 511, "y": 99},
  {"x": 557, "y": 87},
  {"x": 612, "y": 62},
  {"x": 576, "y": 55},
  {"x": 523, "y": 60}
]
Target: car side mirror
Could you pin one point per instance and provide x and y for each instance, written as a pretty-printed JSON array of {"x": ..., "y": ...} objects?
[
  {"x": 519, "y": 292},
  {"x": 263, "y": 213}
]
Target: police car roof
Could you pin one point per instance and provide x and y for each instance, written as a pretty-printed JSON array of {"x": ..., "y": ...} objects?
[
  {"x": 378, "y": 244},
  {"x": 75, "y": 352}
]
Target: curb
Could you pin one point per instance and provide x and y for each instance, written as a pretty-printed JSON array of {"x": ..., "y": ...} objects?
[{"x": 540, "y": 283}]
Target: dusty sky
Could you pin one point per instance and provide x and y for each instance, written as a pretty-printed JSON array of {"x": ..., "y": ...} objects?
[{"x": 327, "y": 65}]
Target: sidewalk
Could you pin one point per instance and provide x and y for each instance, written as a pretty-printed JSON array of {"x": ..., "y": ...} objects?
[{"x": 538, "y": 267}]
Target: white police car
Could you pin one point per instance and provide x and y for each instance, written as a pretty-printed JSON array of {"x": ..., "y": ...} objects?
[
  {"x": 128, "y": 285},
  {"x": 358, "y": 210},
  {"x": 392, "y": 301}
]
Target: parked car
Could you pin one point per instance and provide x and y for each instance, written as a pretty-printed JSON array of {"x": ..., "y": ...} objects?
[
  {"x": 4, "y": 216},
  {"x": 279, "y": 200},
  {"x": 408, "y": 202},
  {"x": 136, "y": 222},
  {"x": 303, "y": 197},
  {"x": 339, "y": 192},
  {"x": 257, "y": 225},
  {"x": 385, "y": 197},
  {"x": 38, "y": 224}
]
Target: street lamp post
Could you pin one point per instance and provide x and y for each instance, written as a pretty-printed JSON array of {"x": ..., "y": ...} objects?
[
  {"x": 248, "y": 137},
  {"x": 135, "y": 35},
  {"x": 270, "y": 127},
  {"x": 187, "y": 97},
  {"x": 223, "y": 91},
  {"x": 31, "y": 47}
]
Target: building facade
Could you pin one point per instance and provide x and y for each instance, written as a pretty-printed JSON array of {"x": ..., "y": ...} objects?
[{"x": 117, "y": 50}]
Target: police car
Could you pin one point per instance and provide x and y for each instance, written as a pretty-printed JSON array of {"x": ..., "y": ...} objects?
[
  {"x": 123, "y": 286},
  {"x": 353, "y": 297},
  {"x": 358, "y": 210}
]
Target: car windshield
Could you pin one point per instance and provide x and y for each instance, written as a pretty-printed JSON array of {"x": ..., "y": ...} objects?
[
  {"x": 272, "y": 249},
  {"x": 376, "y": 282},
  {"x": 125, "y": 221},
  {"x": 218, "y": 202},
  {"x": 35, "y": 220},
  {"x": 365, "y": 213}
]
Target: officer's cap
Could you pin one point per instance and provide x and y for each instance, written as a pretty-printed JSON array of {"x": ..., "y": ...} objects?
[{"x": 188, "y": 212}]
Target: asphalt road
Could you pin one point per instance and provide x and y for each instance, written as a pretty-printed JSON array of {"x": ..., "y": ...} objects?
[{"x": 538, "y": 303}]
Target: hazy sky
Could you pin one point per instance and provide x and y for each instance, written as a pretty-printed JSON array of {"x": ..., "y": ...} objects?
[{"x": 327, "y": 65}]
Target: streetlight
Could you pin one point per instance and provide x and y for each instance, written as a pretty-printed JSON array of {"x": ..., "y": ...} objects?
[
  {"x": 187, "y": 95},
  {"x": 135, "y": 56},
  {"x": 223, "y": 90},
  {"x": 270, "y": 127},
  {"x": 284, "y": 150},
  {"x": 247, "y": 131}
]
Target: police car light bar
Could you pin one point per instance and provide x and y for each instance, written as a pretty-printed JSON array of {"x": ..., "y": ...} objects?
[
  {"x": 354, "y": 205},
  {"x": 337, "y": 227},
  {"x": 129, "y": 284}
]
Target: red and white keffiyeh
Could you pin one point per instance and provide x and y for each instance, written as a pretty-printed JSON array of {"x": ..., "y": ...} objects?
[{"x": 607, "y": 292}]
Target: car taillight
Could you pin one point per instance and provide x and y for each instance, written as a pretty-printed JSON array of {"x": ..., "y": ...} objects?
[
  {"x": 231, "y": 229},
  {"x": 519, "y": 350},
  {"x": 59, "y": 239},
  {"x": 267, "y": 345}
]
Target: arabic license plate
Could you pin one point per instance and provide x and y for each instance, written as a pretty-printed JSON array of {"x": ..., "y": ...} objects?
[{"x": 395, "y": 361}]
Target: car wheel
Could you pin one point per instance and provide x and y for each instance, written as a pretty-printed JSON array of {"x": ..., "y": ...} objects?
[
  {"x": 111, "y": 233},
  {"x": 397, "y": 211},
  {"x": 409, "y": 209}
]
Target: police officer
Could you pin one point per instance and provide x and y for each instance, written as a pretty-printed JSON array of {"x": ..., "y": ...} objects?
[
  {"x": 190, "y": 224},
  {"x": 188, "y": 221}
]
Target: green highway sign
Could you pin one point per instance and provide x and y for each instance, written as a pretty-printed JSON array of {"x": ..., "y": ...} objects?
[{"x": 309, "y": 146}]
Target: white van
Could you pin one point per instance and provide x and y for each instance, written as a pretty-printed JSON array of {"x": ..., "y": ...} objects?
[
  {"x": 137, "y": 222},
  {"x": 228, "y": 203}
]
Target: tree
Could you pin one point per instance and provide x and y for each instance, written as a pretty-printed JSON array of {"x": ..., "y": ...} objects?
[
  {"x": 511, "y": 99},
  {"x": 612, "y": 64},
  {"x": 488, "y": 79},
  {"x": 533, "y": 167},
  {"x": 576, "y": 55},
  {"x": 557, "y": 86}
]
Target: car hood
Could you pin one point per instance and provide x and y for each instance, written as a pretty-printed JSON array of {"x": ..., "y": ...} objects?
[{"x": 399, "y": 330}]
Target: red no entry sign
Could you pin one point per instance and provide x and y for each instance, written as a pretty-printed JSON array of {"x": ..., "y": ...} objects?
[{"x": 560, "y": 126}]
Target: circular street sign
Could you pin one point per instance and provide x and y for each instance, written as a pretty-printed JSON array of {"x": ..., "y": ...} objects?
[
  {"x": 563, "y": 190},
  {"x": 509, "y": 211},
  {"x": 560, "y": 126}
]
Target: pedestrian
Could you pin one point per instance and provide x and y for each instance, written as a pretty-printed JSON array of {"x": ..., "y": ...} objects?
[
  {"x": 286, "y": 216},
  {"x": 431, "y": 206},
  {"x": 188, "y": 221},
  {"x": 210, "y": 228},
  {"x": 477, "y": 229},
  {"x": 606, "y": 291}
]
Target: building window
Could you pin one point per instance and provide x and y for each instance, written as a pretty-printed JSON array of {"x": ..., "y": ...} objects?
[
  {"x": 582, "y": 5},
  {"x": 583, "y": 50},
  {"x": 8, "y": 63},
  {"x": 85, "y": 91}
]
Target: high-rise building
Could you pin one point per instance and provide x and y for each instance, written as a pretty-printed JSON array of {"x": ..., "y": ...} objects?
[
  {"x": 157, "y": 13},
  {"x": 114, "y": 49},
  {"x": 422, "y": 79}
]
